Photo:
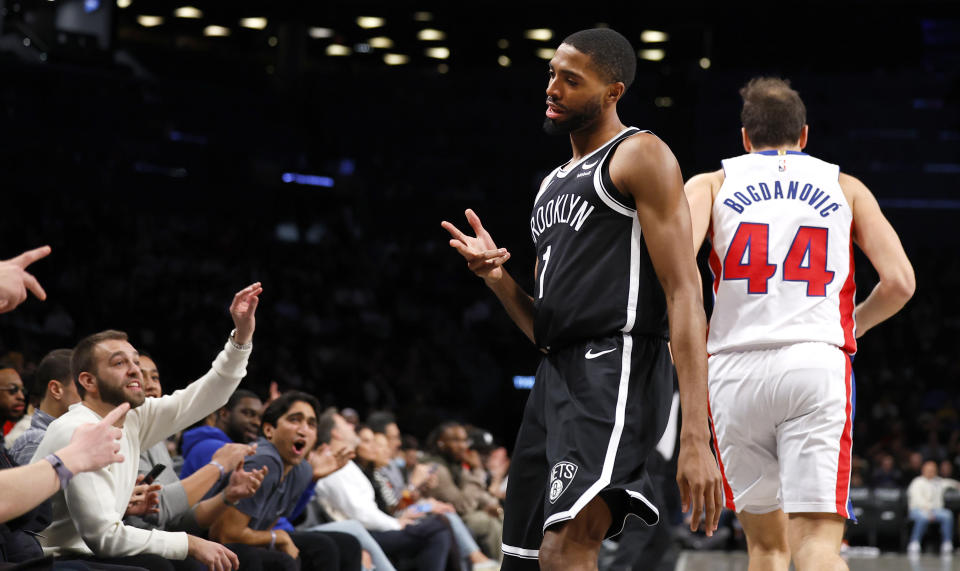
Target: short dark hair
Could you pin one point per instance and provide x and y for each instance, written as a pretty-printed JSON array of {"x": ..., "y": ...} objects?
[
  {"x": 611, "y": 52},
  {"x": 773, "y": 113},
  {"x": 240, "y": 394},
  {"x": 378, "y": 421},
  {"x": 55, "y": 365},
  {"x": 83, "y": 360},
  {"x": 282, "y": 404},
  {"x": 409, "y": 442},
  {"x": 325, "y": 425}
]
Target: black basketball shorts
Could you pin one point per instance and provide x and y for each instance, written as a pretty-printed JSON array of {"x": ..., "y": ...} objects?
[{"x": 596, "y": 411}]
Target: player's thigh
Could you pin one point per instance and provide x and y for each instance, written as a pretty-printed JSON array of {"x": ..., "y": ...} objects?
[
  {"x": 745, "y": 423},
  {"x": 588, "y": 528}
]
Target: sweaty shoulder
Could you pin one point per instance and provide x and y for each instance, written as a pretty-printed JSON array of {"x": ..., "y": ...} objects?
[{"x": 642, "y": 160}]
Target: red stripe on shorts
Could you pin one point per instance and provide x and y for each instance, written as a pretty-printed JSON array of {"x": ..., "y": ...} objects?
[
  {"x": 847, "y": 294},
  {"x": 846, "y": 446},
  {"x": 727, "y": 490}
]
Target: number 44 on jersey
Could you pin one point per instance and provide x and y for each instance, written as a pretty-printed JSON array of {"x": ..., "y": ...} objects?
[{"x": 747, "y": 259}]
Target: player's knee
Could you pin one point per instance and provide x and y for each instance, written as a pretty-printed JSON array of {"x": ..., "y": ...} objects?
[
  {"x": 817, "y": 556},
  {"x": 551, "y": 554},
  {"x": 768, "y": 545},
  {"x": 550, "y": 558}
]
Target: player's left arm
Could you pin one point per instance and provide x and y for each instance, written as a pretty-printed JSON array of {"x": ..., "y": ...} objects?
[
  {"x": 645, "y": 168},
  {"x": 700, "y": 190},
  {"x": 874, "y": 235}
]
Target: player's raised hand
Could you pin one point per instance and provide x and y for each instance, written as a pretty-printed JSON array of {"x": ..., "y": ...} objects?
[
  {"x": 481, "y": 253},
  {"x": 15, "y": 280},
  {"x": 243, "y": 309},
  {"x": 701, "y": 487}
]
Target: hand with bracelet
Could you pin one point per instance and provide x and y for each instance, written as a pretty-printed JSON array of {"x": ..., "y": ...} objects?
[
  {"x": 92, "y": 447},
  {"x": 229, "y": 455}
]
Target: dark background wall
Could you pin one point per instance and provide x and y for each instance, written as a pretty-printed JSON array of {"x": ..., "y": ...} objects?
[{"x": 155, "y": 170}]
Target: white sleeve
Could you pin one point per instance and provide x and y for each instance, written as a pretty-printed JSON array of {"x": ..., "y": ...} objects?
[
  {"x": 90, "y": 498},
  {"x": 340, "y": 493},
  {"x": 161, "y": 417}
]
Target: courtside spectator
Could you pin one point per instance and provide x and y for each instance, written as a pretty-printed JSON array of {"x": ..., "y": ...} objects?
[
  {"x": 288, "y": 434},
  {"x": 180, "y": 506},
  {"x": 87, "y": 514},
  {"x": 53, "y": 380},
  {"x": 925, "y": 501},
  {"x": 347, "y": 494},
  {"x": 237, "y": 421},
  {"x": 465, "y": 488}
]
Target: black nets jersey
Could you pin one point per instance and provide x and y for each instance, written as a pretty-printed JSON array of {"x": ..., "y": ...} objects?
[{"x": 594, "y": 276}]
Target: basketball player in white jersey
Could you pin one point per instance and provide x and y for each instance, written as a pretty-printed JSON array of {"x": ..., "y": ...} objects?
[{"x": 784, "y": 327}]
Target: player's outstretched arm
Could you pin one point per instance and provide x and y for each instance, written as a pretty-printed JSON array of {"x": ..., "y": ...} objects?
[
  {"x": 486, "y": 261},
  {"x": 874, "y": 235},
  {"x": 700, "y": 191},
  {"x": 645, "y": 167}
]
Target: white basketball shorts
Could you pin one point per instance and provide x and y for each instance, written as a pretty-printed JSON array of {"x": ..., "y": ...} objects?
[{"x": 783, "y": 420}]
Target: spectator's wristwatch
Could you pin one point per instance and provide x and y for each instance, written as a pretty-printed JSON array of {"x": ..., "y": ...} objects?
[{"x": 239, "y": 346}]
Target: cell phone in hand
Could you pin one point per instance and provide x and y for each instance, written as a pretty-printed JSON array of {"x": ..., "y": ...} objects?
[
  {"x": 422, "y": 507},
  {"x": 153, "y": 473}
]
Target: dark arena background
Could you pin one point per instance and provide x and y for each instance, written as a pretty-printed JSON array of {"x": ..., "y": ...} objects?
[{"x": 173, "y": 152}]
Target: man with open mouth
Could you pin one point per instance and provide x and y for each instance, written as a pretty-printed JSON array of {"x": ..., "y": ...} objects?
[
  {"x": 288, "y": 434},
  {"x": 88, "y": 512}
]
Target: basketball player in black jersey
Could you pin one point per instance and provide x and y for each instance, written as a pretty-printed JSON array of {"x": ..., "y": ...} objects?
[{"x": 612, "y": 232}]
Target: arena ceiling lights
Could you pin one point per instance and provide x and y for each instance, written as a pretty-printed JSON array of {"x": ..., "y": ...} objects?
[{"x": 338, "y": 31}]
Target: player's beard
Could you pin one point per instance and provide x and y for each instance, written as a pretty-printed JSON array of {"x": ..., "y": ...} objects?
[{"x": 576, "y": 121}]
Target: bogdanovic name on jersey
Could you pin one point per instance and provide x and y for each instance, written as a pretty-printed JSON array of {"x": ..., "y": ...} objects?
[
  {"x": 568, "y": 209},
  {"x": 761, "y": 191}
]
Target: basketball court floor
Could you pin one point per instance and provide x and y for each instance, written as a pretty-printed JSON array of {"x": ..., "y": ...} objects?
[{"x": 737, "y": 561}]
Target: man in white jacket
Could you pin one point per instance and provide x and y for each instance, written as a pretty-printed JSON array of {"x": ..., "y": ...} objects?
[
  {"x": 347, "y": 494},
  {"x": 925, "y": 500},
  {"x": 88, "y": 512}
]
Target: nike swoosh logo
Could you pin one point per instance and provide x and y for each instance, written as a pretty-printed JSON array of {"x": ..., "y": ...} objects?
[
  {"x": 591, "y": 355},
  {"x": 588, "y": 166}
]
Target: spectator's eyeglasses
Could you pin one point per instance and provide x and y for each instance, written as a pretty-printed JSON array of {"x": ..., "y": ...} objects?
[{"x": 14, "y": 389}]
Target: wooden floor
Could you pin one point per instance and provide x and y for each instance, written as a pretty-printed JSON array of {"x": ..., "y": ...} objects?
[{"x": 737, "y": 561}]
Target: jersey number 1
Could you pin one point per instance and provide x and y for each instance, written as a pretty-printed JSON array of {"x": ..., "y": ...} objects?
[
  {"x": 543, "y": 271},
  {"x": 751, "y": 239}
]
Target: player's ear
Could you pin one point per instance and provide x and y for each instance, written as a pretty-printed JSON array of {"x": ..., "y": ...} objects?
[
  {"x": 747, "y": 145},
  {"x": 802, "y": 142},
  {"x": 615, "y": 91}
]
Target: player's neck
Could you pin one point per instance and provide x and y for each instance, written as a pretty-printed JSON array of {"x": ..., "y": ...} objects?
[
  {"x": 782, "y": 149},
  {"x": 585, "y": 141}
]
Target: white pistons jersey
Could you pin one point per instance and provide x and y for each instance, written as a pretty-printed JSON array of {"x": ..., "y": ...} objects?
[{"x": 782, "y": 254}]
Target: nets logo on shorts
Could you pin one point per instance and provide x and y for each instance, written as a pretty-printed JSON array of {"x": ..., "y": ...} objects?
[{"x": 561, "y": 475}]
